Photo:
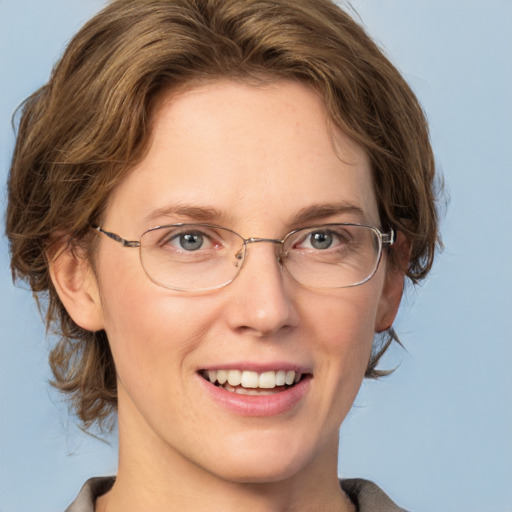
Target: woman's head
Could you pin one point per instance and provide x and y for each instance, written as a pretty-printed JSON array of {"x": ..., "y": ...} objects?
[{"x": 83, "y": 133}]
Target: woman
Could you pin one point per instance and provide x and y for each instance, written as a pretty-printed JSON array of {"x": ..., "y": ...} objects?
[{"x": 222, "y": 200}]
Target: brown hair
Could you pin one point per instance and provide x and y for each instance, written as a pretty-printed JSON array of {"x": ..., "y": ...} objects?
[{"x": 80, "y": 134}]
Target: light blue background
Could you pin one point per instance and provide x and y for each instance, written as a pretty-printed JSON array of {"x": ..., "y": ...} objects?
[{"x": 437, "y": 435}]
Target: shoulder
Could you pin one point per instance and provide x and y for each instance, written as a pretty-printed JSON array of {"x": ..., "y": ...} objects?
[
  {"x": 368, "y": 497},
  {"x": 93, "y": 488}
]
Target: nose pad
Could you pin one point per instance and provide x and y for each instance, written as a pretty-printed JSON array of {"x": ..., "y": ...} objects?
[
  {"x": 239, "y": 257},
  {"x": 281, "y": 257}
]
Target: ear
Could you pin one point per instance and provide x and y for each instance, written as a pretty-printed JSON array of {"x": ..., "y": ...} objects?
[
  {"x": 393, "y": 285},
  {"x": 76, "y": 285}
]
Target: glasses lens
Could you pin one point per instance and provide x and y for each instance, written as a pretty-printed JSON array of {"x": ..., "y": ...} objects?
[
  {"x": 191, "y": 257},
  {"x": 199, "y": 257},
  {"x": 332, "y": 256}
]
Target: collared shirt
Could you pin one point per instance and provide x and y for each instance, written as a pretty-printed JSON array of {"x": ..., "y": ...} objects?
[{"x": 366, "y": 496}]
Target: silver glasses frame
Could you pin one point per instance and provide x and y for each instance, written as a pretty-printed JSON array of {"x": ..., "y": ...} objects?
[{"x": 386, "y": 240}]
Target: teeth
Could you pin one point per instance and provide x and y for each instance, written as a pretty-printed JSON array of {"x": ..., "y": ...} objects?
[
  {"x": 249, "y": 380},
  {"x": 234, "y": 377},
  {"x": 254, "y": 392},
  {"x": 280, "y": 378},
  {"x": 222, "y": 376},
  {"x": 267, "y": 380}
]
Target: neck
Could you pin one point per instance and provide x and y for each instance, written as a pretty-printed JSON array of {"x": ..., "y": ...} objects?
[{"x": 169, "y": 496}]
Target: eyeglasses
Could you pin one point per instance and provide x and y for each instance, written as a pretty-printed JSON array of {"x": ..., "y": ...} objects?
[{"x": 202, "y": 257}]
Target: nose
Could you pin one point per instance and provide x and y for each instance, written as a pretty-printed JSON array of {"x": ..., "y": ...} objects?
[{"x": 262, "y": 298}]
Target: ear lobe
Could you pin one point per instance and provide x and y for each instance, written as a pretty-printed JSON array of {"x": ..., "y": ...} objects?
[
  {"x": 77, "y": 287},
  {"x": 393, "y": 285}
]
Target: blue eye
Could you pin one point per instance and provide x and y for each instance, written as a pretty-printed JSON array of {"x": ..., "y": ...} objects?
[
  {"x": 321, "y": 239},
  {"x": 185, "y": 240},
  {"x": 190, "y": 241}
]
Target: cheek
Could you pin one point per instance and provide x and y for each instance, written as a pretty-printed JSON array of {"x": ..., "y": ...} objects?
[
  {"x": 344, "y": 333},
  {"x": 149, "y": 329},
  {"x": 345, "y": 321}
]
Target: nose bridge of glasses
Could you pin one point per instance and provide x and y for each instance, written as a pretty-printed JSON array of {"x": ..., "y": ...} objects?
[
  {"x": 256, "y": 240},
  {"x": 275, "y": 241}
]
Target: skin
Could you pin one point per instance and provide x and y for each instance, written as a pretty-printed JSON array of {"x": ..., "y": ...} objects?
[{"x": 259, "y": 155}]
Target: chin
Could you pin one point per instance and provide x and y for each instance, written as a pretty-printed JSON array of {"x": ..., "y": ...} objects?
[
  {"x": 260, "y": 466},
  {"x": 272, "y": 473}
]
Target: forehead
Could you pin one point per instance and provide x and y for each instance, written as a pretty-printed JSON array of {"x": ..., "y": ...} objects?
[{"x": 251, "y": 153}]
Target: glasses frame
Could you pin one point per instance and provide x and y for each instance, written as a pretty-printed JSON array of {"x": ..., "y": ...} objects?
[{"x": 386, "y": 240}]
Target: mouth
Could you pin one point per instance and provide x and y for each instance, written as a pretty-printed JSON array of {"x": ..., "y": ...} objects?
[{"x": 245, "y": 382}]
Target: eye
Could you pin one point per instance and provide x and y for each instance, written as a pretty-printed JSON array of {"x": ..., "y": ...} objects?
[
  {"x": 189, "y": 241},
  {"x": 321, "y": 239}
]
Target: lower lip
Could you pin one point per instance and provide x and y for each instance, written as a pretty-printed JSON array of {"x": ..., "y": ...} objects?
[{"x": 263, "y": 405}]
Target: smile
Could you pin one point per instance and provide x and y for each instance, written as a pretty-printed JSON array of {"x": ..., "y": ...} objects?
[{"x": 245, "y": 382}]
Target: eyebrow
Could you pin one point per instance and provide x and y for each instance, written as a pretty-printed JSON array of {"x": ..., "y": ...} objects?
[
  {"x": 198, "y": 213},
  {"x": 210, "y": 214},
  {"x": 320, "y": 211}
]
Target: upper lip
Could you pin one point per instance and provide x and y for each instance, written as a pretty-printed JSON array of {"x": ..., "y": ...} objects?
[{"x": 259, "y": 367}]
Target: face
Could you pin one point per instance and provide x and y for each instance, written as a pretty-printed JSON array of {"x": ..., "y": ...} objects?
[{"x": 250, "y": 159}]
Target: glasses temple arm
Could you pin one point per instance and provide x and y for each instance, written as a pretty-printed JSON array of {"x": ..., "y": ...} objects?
[
  {"x": 388, "y": 239},
  {"x": 117, "y": 238}
]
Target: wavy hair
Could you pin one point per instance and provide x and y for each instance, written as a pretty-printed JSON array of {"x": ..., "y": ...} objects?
[{"x": 81, "y": 133}]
